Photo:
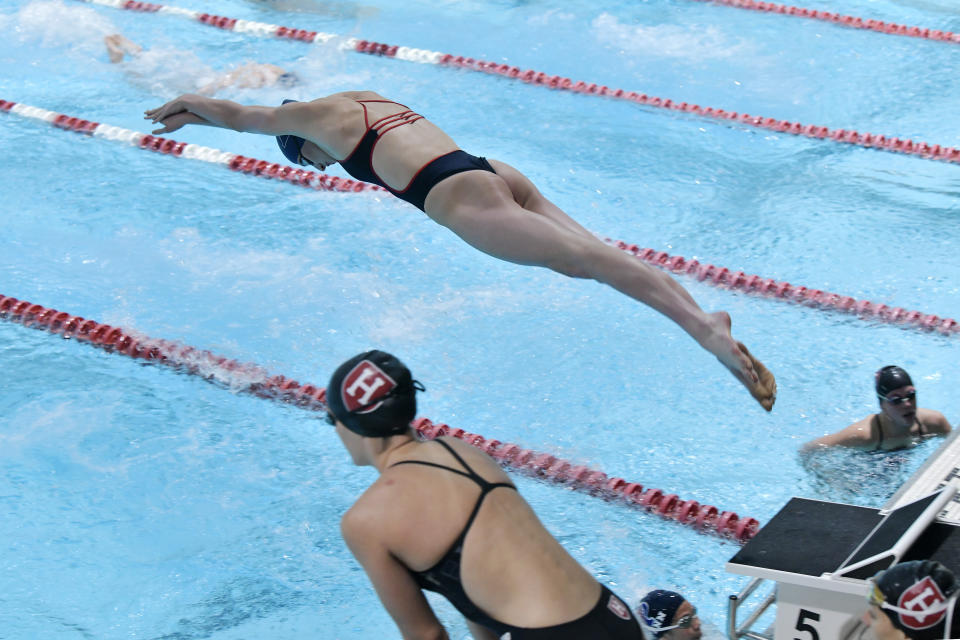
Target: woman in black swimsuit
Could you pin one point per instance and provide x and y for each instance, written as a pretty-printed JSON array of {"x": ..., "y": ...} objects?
[
  {"x": 443, "y": 516},
  {"x": 489, "y": 204}
]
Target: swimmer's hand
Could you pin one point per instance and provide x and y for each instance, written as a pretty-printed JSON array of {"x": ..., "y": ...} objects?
[
  {"x": 177, "y": 105},
  {"x": 178, "y": 120},
  {"x": 176, "y": 113}
]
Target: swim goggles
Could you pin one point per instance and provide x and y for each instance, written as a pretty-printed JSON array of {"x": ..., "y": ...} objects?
[
  {"x": 912, "y": 396},
  {"x": 876, "y": 598},
  {"x": 683, "y": 623}
]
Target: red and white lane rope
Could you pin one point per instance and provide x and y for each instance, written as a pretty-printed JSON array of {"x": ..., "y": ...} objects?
[
  {"x": 879, "y": 26},
  {"x": 253, "y": 379},
  {"x": 768, "y": 287},
  {"x": 711, "y": 274},
  {"x": 539, "y": 78},
  {"x": 233, "y": 161}
]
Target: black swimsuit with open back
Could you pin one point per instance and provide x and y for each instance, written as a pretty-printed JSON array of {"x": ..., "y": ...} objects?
[
  {"x": 359, "y": 163},
  {"x": 610, "y": 618}
]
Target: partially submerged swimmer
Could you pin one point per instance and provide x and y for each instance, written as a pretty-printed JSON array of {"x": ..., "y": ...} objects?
[
  {"x": 900, "y": 422},
  {"x": 488, "y": 203},
  {"x": 252, "y": 75}
]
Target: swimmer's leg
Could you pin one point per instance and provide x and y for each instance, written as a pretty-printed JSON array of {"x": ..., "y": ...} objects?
[{"x": 481, "y": 208}]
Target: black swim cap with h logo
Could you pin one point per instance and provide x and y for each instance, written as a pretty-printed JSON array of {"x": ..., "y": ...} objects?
[{"x": 373, "y": 394}]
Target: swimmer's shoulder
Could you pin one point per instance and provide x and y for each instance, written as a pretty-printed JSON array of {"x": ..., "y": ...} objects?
[{"x": 933, "y": 421}]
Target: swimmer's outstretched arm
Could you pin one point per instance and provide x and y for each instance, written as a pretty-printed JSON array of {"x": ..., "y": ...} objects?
[{"x": 298, "y": 118}]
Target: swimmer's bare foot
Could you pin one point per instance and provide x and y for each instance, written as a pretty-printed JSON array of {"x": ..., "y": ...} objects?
[{"x": 734, "y": 355}]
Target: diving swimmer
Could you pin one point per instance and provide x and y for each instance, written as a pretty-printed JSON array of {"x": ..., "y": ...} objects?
[{"x": 489, "y": 204}]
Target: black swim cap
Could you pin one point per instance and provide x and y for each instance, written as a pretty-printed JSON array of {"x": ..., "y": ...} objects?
[
  {"x": 657, "y": 610},
  {"x": 889, "y": 378},
  {"x": 291, "y": 145},
  {"x": 923, "y": 586},
  {"x": 373, "y": 394}
]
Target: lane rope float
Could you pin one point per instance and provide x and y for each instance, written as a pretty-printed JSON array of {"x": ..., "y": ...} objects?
[
  {"x": 713, "y": 275},
  {"x": 890, "y": 28},
  {"x": 891, "y": 144},
  {"x": 157, "y": 144},
  {"x": 755, "y": 285},
  {"x": 255, "y": 380}
]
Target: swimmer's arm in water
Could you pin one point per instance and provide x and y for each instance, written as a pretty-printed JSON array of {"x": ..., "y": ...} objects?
[
  {"x": 401, "y": 596},
  {"x": 304, "y": 119},
  {"x": 859, "y": 435}
]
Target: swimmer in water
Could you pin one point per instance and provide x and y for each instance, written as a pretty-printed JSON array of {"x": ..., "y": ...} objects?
[
  {"x": 252, "y": 75},
  {"x": 900, "y": 422},
  {"x": 667, "y": 615},
  {"x": 489, "y": 204},
  {"x": 443, "y": 516}
]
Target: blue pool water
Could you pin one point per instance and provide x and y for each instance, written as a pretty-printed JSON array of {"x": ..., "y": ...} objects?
[{"x": 142, "y": 503}]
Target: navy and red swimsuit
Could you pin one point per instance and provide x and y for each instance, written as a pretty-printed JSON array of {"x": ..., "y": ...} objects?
[{"x": 359, "y": 163}]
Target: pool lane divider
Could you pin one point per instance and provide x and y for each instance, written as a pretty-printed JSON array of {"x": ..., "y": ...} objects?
[
  {"x": 714, "y": 275},
  {"x": 891, "y": 28},
  {"x": 233, "y": 161},
  {"x": 253, "y": 379},
  {"x": 755, "y": 285},
  {"x": 539, "y": 78},
  {"x": 264, "y": 29}
]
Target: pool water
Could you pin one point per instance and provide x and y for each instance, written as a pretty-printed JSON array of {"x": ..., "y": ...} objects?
[{"x": 139, "y": 502}]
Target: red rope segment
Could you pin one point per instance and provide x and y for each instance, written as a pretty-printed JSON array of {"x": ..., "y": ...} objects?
[
  {"x": 846, "y": 21},
  {"x": 548, "y": 467},
  {"x": 868, "y": 140},
  {"x": 250, "y": 378},
  {"x": 251, "y": 166},
  {"x": 770, "y": 288}
]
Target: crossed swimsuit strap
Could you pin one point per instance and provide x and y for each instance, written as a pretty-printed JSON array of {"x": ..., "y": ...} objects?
[{"x": 485, "y": 485}]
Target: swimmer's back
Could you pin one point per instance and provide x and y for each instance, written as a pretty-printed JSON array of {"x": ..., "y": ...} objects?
[{"x": 511, "y": 565}]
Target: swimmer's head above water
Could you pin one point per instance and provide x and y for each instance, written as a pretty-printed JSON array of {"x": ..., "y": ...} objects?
[
  {"x": 916, "y": 598},
  {"x": 373, "y": 394},
  {"x": 667, "y": 615},
  {"x": 891, "y": 378}
]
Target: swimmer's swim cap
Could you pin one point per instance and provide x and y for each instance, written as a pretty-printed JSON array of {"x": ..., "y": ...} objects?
[
  {"x": 373, "y": 394},
  {"x": 919, "y": 591},
  {"x": 889, "y": 378},
  {"x": 658, "y": 608},
  {"x": 291, "y": 145}
]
